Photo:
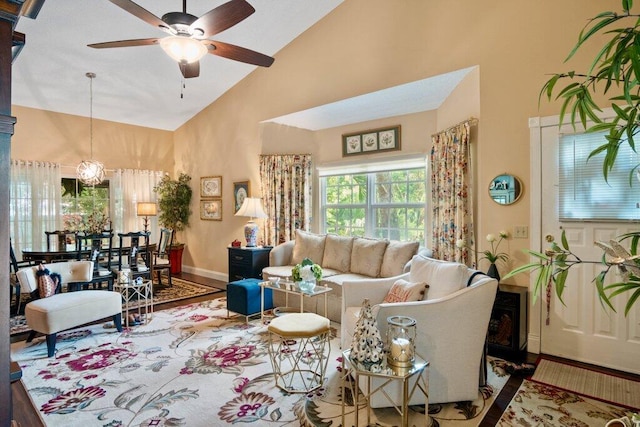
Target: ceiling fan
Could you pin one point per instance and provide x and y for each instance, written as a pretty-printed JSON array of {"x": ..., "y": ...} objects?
[{"x": 188, "y": 41}]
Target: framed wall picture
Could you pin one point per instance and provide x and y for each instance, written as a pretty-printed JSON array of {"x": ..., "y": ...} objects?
[
  {"x": 371, "y": 141},
  {"x": 211, "y": 186},
  {"x": 211, "y": 210},
  {"x": 240, "y": 192}
]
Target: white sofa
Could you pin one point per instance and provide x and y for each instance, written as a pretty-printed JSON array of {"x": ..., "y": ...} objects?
[
  {"x": 452, "y": 323},
  {"x": 342, "y": 258}
]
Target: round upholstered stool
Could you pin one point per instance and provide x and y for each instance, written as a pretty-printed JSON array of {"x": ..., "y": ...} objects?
[{"x": 299, "y": 347}]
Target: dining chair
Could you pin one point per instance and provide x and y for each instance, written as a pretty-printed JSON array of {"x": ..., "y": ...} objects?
[
  {"x": 133, "y": 254},
  {"x": 161, "y": 259},
  {"x": 14, "y": 284},
  {"x": 97, "y": 247}
]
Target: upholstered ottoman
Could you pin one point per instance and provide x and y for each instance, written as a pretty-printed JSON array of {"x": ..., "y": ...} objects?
[
  {"x": 243, "y": 297},
  {"x": 299, "y": 347},
  {"x": 70, "y": 309}
]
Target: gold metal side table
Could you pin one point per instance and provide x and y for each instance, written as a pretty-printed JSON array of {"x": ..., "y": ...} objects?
[
  {"x": 138, "y": 297},
  {"x": 419, "y": 370}
]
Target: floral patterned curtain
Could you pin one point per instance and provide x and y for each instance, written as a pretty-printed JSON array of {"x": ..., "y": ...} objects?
[
  {"x": 452, "y": 219},
  {"x": 286, "y": 195}
]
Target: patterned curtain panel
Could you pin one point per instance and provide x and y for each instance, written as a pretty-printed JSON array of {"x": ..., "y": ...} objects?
[
  {"x": 34, "y": 203},
  {"x": 452, "y": 218},
  {"x": 286, "y": 195}
]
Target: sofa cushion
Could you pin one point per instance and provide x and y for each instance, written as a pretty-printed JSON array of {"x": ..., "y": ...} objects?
[
  {"x": 337, "y": 252},
  {"x": 403, "y": 291},
  {"x": 396, "y": 256},
  {"x": 443, "y": 277},
  {"x": 366, "y": 256},
  {"x": 308, "y": 245}
]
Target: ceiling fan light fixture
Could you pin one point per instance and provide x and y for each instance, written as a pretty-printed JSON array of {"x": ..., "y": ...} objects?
[{"x": 183, "y": 49}]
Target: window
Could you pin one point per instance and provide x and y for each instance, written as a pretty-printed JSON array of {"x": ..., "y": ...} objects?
[
  {"x": 583, "y": 192},
  {"x": 383, "y": 204},
  {"x": 79, "y": 201}
]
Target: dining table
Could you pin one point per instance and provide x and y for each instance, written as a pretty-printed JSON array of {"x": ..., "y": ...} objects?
[{"x": 66, "y": 255}]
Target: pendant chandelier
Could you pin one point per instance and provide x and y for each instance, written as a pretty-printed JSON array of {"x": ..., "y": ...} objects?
[{"x": 90, "y": 172}]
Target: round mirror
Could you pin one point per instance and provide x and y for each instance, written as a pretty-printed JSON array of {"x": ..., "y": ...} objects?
[{"x": 505, "y": 189}]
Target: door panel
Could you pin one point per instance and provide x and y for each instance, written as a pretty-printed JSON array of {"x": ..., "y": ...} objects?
[{"x": 581, "y": 328}]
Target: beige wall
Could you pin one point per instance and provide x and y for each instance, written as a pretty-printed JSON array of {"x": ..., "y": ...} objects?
[
  {"x": 64, "y": 138},
  {"x": 368, "y": 45}
]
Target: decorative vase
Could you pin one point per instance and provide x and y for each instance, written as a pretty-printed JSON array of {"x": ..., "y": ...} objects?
[
  {"x": 493, "y": 272},
  {"x": 307, "y": 286}
]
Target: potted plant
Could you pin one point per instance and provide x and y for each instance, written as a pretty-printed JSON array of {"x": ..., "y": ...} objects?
[
  {"x": 614, "y": 73},
  {"x": 174, "y": 199}
]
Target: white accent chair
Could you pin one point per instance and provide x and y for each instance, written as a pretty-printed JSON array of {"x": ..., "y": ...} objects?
[{"x": 452, "y": 324}]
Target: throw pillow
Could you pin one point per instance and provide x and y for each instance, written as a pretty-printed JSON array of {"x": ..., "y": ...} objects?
[
  {"x": 444, "y": 277},
  {"x": 403, "y": 291},
  {"x": 47, "y": 282},
  {"x": 308, "y": 245},
  {"x": 366, "y": 256},
  {"x": 337, "y": 252},
  {"x": 396, "y": 256}
]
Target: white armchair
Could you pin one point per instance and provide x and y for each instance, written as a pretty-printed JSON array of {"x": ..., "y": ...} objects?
[{"x": 451, "y": 329}]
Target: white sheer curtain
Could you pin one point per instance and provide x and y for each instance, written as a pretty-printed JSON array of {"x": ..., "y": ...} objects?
[
  {"x": 34, "y": 205},
  {"x": 127, "y": 188}
]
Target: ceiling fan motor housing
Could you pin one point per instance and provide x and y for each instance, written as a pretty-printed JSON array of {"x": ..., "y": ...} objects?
[{"x": 181, "y": 23}]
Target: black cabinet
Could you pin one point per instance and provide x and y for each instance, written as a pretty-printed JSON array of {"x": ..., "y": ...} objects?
[
  {"x": 247, "y": 263},
  {"x": 508, "y": 324}
]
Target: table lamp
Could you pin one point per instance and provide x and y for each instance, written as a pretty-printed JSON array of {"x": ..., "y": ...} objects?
[
  {"x": 252, "y": 208},
  {"x": 146, "y": 209}
]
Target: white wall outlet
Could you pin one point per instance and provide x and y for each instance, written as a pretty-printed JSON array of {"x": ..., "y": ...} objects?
[{"x": 520, "y": 232}]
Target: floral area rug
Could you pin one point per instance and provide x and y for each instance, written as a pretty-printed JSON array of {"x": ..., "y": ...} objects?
[
  {"x": 180, "y": 289},
  {"x": 536, "y": 404},
  {"x": 191, "y": 366}
]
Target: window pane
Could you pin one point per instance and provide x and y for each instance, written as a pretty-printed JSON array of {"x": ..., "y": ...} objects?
[
  {"x": 397, "y": 211},
  {"x": 583, "y": 192}
]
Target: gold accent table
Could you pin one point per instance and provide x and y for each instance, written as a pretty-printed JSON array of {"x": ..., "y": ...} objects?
[
  {"x": 418, "y": 370},
  {"x": 291, "y": 288}
]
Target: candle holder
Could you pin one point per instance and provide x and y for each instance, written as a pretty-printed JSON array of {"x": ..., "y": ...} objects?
[{"x": 401, "y": 341}]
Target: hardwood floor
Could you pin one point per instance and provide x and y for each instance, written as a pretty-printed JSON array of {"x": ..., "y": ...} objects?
[{"x": 25, "y": 413}]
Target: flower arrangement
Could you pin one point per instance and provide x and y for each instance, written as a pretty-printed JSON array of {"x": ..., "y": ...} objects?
[
  {"x": 492, "y": 255},
  {"x": 96, "y": 222},
  {"x": 306, "y": 271}
]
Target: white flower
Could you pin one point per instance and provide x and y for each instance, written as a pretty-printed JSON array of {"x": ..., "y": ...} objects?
[
  {"x": 461, "y": 243},
  {"x": 306, "y": 273},
  {"x": 503, "y": 234},
  {"x": 491, "y": 238}
]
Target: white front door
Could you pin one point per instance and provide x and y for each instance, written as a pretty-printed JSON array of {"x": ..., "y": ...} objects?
[{"x": 581, "y": 329}]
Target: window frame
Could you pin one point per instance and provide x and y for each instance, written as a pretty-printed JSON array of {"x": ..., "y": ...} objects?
[{"x": 370, "y": 205}]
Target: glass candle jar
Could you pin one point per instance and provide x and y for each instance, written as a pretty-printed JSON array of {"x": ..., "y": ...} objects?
[{"x": 401, "y": 338}]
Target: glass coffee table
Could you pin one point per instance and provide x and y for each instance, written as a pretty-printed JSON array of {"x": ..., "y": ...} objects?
[{"x": 291, "y": 288}]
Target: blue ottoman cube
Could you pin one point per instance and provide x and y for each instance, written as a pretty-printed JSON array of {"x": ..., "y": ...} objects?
[{"x": 243, "y": 297}]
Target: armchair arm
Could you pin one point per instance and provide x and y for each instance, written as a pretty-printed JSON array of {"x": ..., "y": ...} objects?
[{"x": 281, "y": 254}]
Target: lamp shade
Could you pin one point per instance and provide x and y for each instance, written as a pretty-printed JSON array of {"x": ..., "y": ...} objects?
[
  {"x": 251, "y": 207},
  {"x": 183, "y": 49},
  {"x": 146, "y": 209}
]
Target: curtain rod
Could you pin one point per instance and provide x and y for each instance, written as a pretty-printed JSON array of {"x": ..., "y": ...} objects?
[{"x": 472, "y": 122}]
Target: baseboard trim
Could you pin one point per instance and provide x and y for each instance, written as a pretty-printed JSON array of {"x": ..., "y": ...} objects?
[{"x": 223, "y": 277}]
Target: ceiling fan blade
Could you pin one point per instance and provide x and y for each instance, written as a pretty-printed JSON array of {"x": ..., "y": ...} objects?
[
  {"x": 190, "y": 70},
  {"x": 238, "y": 53},
  {"x": 222, "y": 17},
  {"x": 142, "y": 13},
  {"x": 125, "y": 43}
]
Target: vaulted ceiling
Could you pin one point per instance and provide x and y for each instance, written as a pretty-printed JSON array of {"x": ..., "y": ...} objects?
[{"x": 140, "y": 85}]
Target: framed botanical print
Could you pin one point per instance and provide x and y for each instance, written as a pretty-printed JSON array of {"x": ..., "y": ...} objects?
[
  {"x": 211, "y": 186},
  {"x": 371, "y": 141},
  {"x": 211, "y": 210},
  {"x": 240, "y": 192}
]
